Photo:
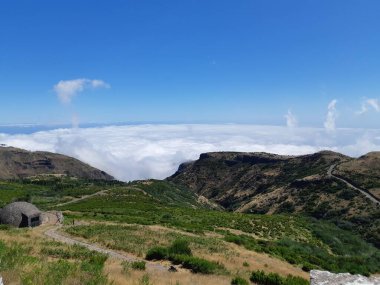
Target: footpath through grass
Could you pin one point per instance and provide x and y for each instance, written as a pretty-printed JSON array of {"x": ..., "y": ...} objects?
[{"x": 305, "y": 242}]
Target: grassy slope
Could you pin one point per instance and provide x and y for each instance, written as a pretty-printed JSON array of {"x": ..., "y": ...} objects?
[
  {"x": 303, "y": 241},
  {"x": 213, "y": 234},
  {"x": 25, "y": 258}
]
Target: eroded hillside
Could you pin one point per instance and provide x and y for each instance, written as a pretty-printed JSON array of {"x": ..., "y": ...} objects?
[{"x": 267, "y": 184}]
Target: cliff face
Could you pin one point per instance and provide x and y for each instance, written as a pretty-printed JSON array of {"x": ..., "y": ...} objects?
[
  {"x": 232, "y": 179},
  {"x": 17, "y": 163}
]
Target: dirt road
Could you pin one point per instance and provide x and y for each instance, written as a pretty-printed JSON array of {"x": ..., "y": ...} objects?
[
  {"x": 54, "y": 234},
  {"x": 364, "y": 192},
  {"x": 82, "y": 198}
]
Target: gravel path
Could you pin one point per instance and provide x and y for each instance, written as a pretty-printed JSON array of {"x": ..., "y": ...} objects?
[
  {"x": 82, "y": 198},
  {"x": 54, "y": 234},
  {"x": 364, "y": 192}
]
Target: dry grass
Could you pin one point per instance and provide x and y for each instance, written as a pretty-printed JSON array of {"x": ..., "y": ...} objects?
[
  {"x": 256, "y": 261},
  {"x": 116, "y": 275},
  {"x": 231, "y": 255}
]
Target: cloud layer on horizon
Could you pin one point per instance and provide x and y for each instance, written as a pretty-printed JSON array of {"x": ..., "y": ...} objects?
[{"x": 155, "y": 151}]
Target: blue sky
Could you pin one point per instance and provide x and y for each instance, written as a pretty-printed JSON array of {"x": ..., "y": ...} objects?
[{"x": 191, "y": 61}]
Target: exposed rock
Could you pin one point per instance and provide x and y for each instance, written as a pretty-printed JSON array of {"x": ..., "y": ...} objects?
[
  {"x": 1, "y": 281},
  {"x": 327, "y": 278},
  {"x": 263, "y": 183},
  {"x": 18, "y": 164}
]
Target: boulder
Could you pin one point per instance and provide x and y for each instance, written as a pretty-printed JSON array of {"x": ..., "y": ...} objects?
[{"x": 318, "y": 277}]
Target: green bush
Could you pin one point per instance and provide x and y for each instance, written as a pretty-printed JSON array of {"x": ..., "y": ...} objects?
[
  {"x": 157, "y": 253},
  {"x": 196, "y": 264},
  {"x": 261, "y": 278},
  {"x": 138, "y": 265},
  {"x": 180, "y": 247},
  {"x": 347, "y": 257},
  {"x": 239, "y": 281},
  {"x": 180, "y": 253}
]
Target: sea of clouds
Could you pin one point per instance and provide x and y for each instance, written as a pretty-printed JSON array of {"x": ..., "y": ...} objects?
[{"x": 155, "y": 151}]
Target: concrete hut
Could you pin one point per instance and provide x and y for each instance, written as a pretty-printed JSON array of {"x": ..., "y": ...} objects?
[{"x": 20, "y": 214}]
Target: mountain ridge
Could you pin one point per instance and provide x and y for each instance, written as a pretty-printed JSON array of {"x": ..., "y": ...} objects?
[
  {"x": 275, "y": 184},
  {"x": 16, "y": 163}
]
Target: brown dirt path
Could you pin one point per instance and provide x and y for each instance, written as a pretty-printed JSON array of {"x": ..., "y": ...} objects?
[{"x": 54, "y": 234}]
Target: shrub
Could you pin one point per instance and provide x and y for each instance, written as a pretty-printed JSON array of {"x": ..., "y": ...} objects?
[
  {"x": 295, "y": 280},
  {"x": 138, "y": 265},
  {"x": 239, "y": 281},
  {"x": 307, "y": 267},
  {"x": 157, "y": 253},
  {"x": 180, "y": 247},
  {"x": 180, "y": 253},
  {"x": 196, "y": 264},
  {"x": 261, "y": 278},
  {"x": 245, "y": 264}
]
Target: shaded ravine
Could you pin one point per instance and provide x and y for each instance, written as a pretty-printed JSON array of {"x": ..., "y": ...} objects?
[
  {"x": 364, "y": 192},
  {"x": 54, "y": 234}
]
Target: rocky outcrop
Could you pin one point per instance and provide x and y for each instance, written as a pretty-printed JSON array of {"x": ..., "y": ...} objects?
[
  {"x": 18, "y": 164},
  {"x": 327, "y": 278}
]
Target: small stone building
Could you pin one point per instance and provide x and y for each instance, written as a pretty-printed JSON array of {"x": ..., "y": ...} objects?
[{"x": 20, "y": 214}]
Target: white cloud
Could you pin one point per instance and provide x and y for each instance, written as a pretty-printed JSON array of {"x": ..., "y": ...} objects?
[
  {"x": 370, "y": 103},
  {"x": 155, "y": 151},
  {"x": 67, "y": 89},
  {"x": 331, "y": 116},
  {"x": 291, "y": 120}
]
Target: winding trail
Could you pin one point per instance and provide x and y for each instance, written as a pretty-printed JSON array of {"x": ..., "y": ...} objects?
[
  {"x": 82, "y": 198},
  {"x": 364, "y": 192},
  {"x": 54, "y": 234}
]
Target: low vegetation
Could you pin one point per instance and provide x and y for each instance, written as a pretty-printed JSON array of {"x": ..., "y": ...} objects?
[
  {"x": 342, "y": 251},
  {"x": 19, "y": 264},
  {"x": 239, "y": 281},
  {"x": 302, "y": 241},
  {"x": 144, "y": 219},
  {"x": 262, "y": 278},
  {"x": 179, "y": 253}
]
